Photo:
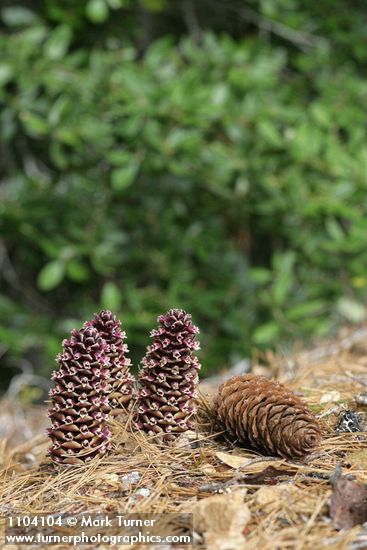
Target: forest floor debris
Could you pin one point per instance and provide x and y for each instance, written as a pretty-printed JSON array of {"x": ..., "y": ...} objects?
[{"x": 272, "y": 502}]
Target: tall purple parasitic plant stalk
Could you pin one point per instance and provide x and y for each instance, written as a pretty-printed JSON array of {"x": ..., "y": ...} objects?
[
  {"x": 169, "y": 377},
  {"x": 121, "y": 381}
]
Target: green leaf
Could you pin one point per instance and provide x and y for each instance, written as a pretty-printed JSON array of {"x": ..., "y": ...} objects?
[
  {"x": 110, "y": 296},
  {"x": 351, "y": 310},
  {"x": 51, "y": 275},
  {"x": 58, "y": 43},
  {"x": 34, "y": 35},
  {"x": 34, "y": 124},
  {"x": 154, "y": 5},
  {"x": 77, "y": 271},
  {"x": 284, "y": 277},
  {"x": 269, "y": 132},
  {"x": 116, "y": 4},
  {"x": 321, "y": 114},
  {"x": 123, "y": 177},
  {"x": 304, "y": 310},
  {"x": 359, "y": 281},
  {"x": 58, "y": 156},
  {"x": 97, "y": 11},
  {"x": 6, "y": 73},
  {"x": 334, "y": 229},
  {"x": 266, "y": 334},
  {"x": 242, "y": 186},
  {"x": 308, "y": 141},
  {"x": 260, "y": 275},
  {"x": 118, "y": 157},
  {"x": 17, "y": 16},
  {"x": 58, "y": 110}
]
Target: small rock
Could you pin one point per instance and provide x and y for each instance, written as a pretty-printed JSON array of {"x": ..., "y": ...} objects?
[
  {"x": 330, "y": 397},
  {"x": 108, "y": 481},
  {"x": 223, "y": 516},
  {"x": 140, "y": 494},
  {"x": 361, "y": 399},
  {"x": 268, "y": 497},
  {"x": 358, "y": 459},
  {"x": 260, "y": 370},
  {"x": 225, "y": 542},
  {"x": 349, "y": 421},
  {"x": 129, "y": 479},
  {"x": 208, "y": 469},
  {"x": 231, "y": 460}
]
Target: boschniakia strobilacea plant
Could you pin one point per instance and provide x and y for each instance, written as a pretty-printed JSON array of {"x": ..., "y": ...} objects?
[
  {"x": 169, "y": 377},
  {"x": 121, "y": 380},
  {"x": 79, "y": 401}
]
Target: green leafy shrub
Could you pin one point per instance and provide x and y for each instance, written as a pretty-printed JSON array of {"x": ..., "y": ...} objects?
[{"x": 226, "y": 177}]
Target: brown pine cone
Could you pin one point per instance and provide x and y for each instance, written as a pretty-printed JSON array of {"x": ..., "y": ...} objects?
[{"x": 266, "y": 416}]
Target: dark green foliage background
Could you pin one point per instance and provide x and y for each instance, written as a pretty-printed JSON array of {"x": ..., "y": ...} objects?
[{"x": 208, "y": 155}]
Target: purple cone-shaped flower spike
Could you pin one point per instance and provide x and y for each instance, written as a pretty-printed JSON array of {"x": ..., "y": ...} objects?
[
  {"x": 121, "y": 380},
  {"x": 169, "y": 377},
  {"x": 79, "y": 401}
]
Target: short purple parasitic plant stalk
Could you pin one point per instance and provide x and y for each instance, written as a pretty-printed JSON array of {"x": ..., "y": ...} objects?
[{"x": 169, "y": 377}]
